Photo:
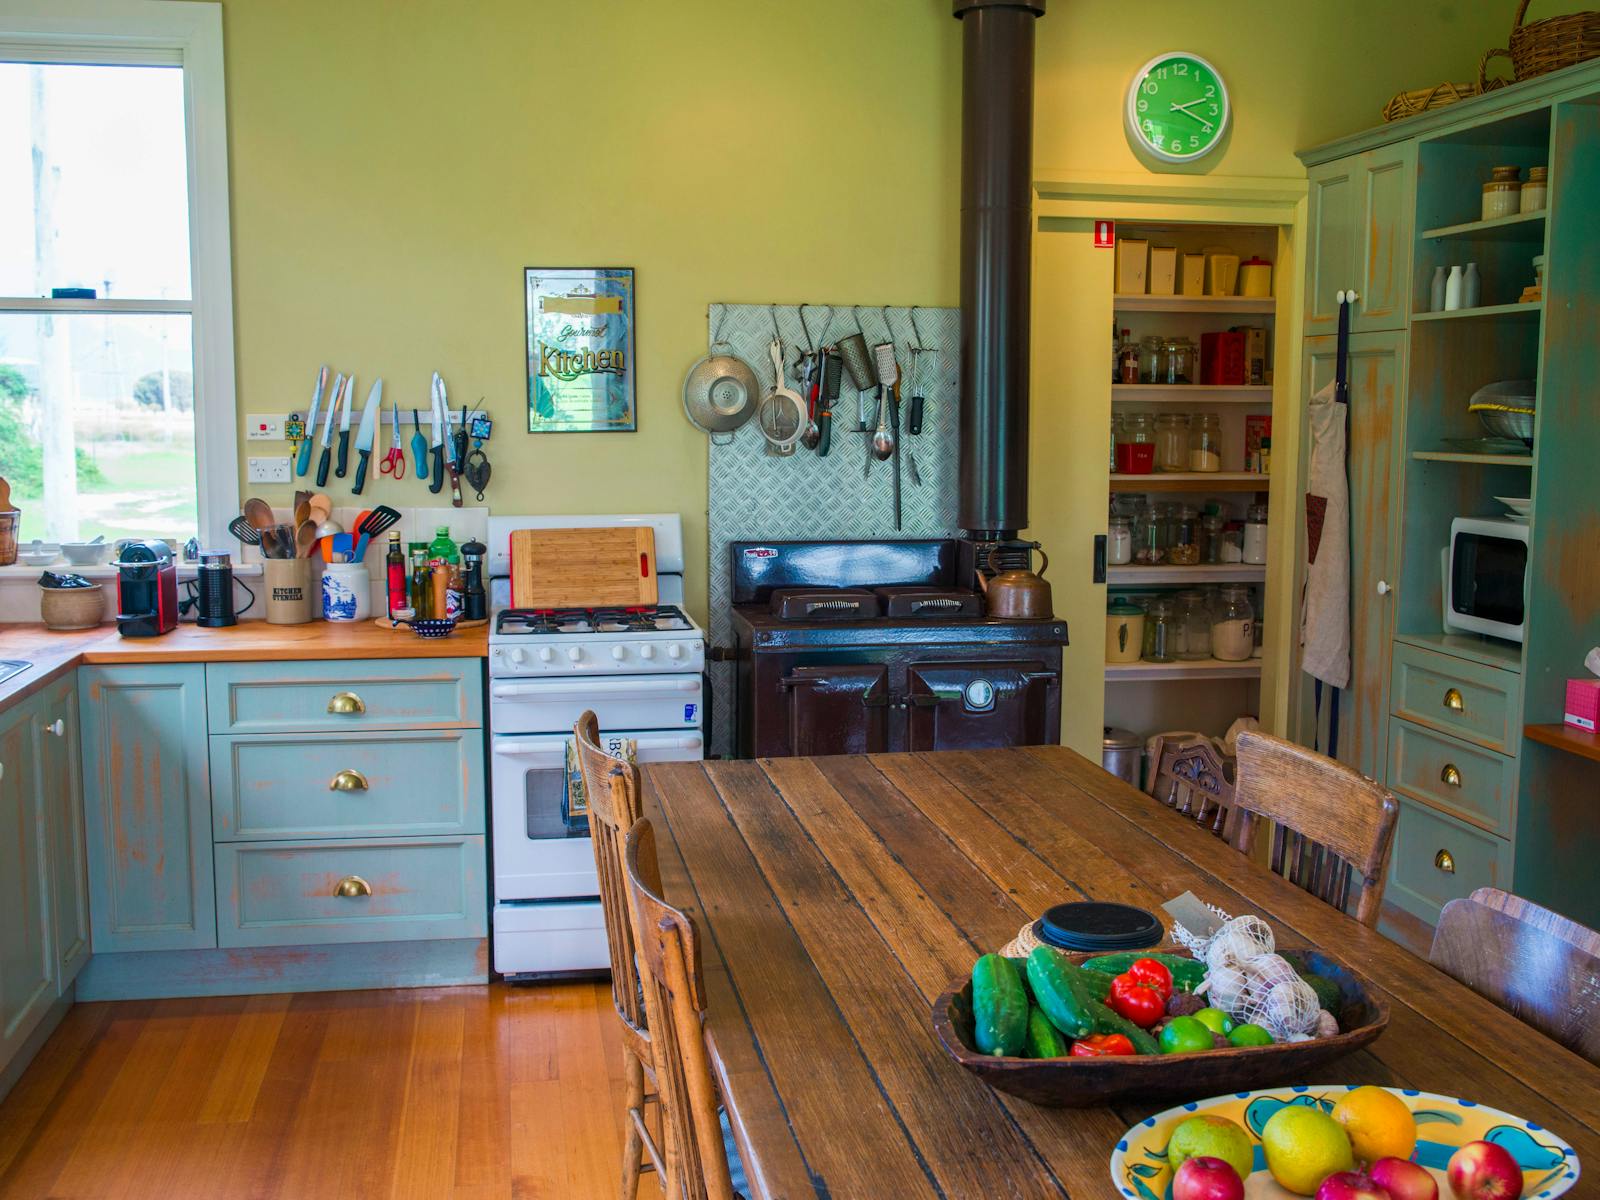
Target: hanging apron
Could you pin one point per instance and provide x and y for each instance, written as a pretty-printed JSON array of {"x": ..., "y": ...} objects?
[{"x": 1325, "y": 608}]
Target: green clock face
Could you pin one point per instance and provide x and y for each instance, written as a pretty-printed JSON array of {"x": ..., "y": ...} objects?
[{"x": 1177, "y": 107}]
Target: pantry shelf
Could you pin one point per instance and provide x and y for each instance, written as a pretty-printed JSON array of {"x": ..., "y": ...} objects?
[
  {"x": 1190, "y": 393},
  {"x": 1258, "y": 305},
  {"x": 1203, "y": 668},
  {"x": 1205, "y": 573},
  {"x": 1483, "y": 312},
  {"x": 1518, "y": 227},
  {"x": 1482, "y": 460},
  {"x": 1192, "y": 481}
]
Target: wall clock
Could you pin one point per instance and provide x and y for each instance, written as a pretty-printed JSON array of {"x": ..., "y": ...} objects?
[{"x": 1177, "y": 107}]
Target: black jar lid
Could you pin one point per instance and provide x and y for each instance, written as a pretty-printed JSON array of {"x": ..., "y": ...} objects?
[{"x": 1098, "y": 927}]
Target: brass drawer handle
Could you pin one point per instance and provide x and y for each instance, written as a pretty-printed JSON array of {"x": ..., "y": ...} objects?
[
  {"x": 348, "y": 781},
  {"x": 346, "y": 704},
  {"x": 1454, "y": 702},
  {"x": 1445, "y": 862},
  {"x": 351, "y": 887},
  {"x": 1450, "y": 776}
]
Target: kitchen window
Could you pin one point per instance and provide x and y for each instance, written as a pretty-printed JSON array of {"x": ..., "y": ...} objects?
[{"x": 117, "y": 410}]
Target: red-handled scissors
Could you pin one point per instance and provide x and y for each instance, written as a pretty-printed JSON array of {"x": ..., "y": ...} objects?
[{"x": 394, "y": 461}]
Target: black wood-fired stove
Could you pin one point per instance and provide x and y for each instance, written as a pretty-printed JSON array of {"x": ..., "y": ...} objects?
[{"x": 860, "y": 647}]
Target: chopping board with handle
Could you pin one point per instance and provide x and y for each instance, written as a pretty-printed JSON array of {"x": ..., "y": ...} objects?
[{"x": 584, "y": 568}]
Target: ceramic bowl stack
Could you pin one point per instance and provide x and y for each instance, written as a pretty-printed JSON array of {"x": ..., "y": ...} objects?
[
  {"x": 1521, "y": 508},
  {"x": 1506, "y": 409}
]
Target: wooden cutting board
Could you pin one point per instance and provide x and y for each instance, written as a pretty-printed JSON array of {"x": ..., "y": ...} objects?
[{"x": 584, "y": 568}]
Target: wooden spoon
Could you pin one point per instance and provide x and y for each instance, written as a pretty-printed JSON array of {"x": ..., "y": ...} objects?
[
  {"x": 258, "y": 513},
  {"x": 305, "y": 538},
  {"x": 5, "y": 496}
]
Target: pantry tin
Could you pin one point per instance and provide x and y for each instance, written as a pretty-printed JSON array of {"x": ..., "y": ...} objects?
[
  {"x": 1121, "y": 753},
  {"x": 1124, "y": 631}
]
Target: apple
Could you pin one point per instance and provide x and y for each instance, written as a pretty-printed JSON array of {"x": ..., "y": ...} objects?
[
  {"x": 1484, "y": 1171},
  {"x": 1207, "y": 1179},
  {"x": 1403, "y": 1180},
  {"x": 1350, "y": 1185}
]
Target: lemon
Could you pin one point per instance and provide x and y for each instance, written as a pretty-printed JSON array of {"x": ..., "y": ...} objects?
[
  {"x": 1304, "y": 1146},
  {"x": 1378, "y": 1122}
]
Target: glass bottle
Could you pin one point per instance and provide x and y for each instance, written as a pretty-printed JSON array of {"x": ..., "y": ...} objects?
[
  {"x": 442, "y": 551},
  {"x": 1172, "y": 442},
  {"x": 421, "y": 585},
  {"x": 1128, "y": 359},
  {"x": 1119, "y": 542},
  {"x": 1183, "y": 549},
  {"x": 1193, "y": 614},
  {"x": 1136, "y": 453},
  {"x": 395, "y": 578},
  {"x": 1205, "y": 442},
  {"x": 1233, "y": 624},
  {"x": 1160, "y": 631},
  {"x": 1255, "y": 535},
  {"x": 1116, "y": 436}
]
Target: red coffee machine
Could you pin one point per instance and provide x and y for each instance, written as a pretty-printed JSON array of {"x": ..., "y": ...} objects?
[{"x": 147, "y": 589}]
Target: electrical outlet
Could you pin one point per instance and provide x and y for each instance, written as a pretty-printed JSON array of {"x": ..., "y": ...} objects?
[
  {"x": 268, "y": 470},
  {"x": 260, "y": 427}
]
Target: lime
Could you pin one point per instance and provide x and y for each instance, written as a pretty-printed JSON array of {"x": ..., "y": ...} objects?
[
  {"x": 1250, "y": 1035},
  {"x": 1304, "y": 1146},
  {"x": 1215, "y": 1020},
  {"x": 1212, "y": 1137},
  {"x": 1185, "y": 1035},
  {"x": 1379, "y": 1123}
]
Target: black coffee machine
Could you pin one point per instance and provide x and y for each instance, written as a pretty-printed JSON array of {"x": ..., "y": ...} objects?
[{"x": 147, "y": 589}]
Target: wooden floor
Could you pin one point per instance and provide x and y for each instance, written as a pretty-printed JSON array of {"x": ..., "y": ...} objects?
[{"x": 509, "y": 1093}]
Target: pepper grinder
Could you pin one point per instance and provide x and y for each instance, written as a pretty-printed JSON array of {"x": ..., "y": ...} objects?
[{"x": 474, "y": 603}]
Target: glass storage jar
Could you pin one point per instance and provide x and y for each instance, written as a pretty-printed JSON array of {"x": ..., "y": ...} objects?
[
  {"x": 1136, "y": 451},
  {"x": 1211, "y": 527},
  {"x": 1233, "y": 624},
  {"x": 1183, "y": 542},
  {"x": 1232, "y": 550},
  {"x": 1150, "y": 536},
  {"x": 1205, "y": 442},
  {"x": 1502, "y": 195},
  {"x": 1255, "y": 535},
  {"x": 1116, "y": 436},
  {"x": 1119, "y": 542},
  {"x": 1172, "y": 442},
  {"x": 1192, "y": 614},
  {"x": 1177, "y": 363},
  {"x": 1160, "y": 632},
  {"x": 1150, "y": 359},
  {"x": 1124, "y": 631}
]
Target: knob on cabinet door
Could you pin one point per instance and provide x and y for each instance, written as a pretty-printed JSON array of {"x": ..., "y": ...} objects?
[
  {"x": 1445, "y": 862},
  {"x": 1384, "y": 587}
]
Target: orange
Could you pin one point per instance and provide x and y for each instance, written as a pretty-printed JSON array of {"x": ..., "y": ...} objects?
[{"x": 1378, "y": 1122}]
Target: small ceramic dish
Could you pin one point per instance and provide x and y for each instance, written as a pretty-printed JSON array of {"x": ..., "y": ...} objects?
[
  {"x": 86, "y": 554},
  {"x": 37, "y": 553}
]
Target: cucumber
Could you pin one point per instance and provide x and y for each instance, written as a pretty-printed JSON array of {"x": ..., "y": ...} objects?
[
  {"x": 1106, "y": 1021},
  {"x": 1021, "y": 964},
  {"x": 1187, "y": 973},
  {"x": 1060, "y": 996},
  {"x": 999, "y": 1006},
  {"x": 1044, "y": 1039}
]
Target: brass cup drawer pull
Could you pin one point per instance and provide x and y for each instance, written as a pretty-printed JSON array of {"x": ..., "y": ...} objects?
[
  {"x": 1453, "y": 700},
  {"x": 352, "y": 887},
  {"x": 1445, "y": 861},
  {"x": 348, "y": 781},
  {"x": 346, "y": 704},
  {"x": 1450, "y": 776}
]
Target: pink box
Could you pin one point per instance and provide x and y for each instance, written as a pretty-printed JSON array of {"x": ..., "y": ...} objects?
[{"x": 1583, "y": 704}]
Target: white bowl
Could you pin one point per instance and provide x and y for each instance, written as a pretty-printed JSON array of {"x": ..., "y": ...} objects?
[
  {"x": 37, "y": 558},
  {"x": 1521, "y": 505},
  {"x": 86, "y": 554}
]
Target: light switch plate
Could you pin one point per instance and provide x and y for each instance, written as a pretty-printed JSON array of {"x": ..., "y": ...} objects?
[
  {"x": 268, "y": 470},
  {"x": 263, "y": 427}
]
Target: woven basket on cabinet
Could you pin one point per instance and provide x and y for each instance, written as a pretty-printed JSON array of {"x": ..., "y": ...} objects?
[
  {"x": 1410, "y": 103},
  {"x": 1552, "y": 43}
]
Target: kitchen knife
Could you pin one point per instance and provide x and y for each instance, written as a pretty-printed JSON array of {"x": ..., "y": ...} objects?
[
  {"x": 436, "y": 436},
  {"x": 327, "y": 433},
  {"x": 452, "y": 461},
  {"x": 832, "y": 373},
  {"x": 304, "y": 463},
  {"x": 344, "y": 427},
  {"x": 366, "y": 434}
]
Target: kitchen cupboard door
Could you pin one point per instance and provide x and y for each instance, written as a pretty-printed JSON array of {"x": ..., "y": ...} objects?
[
  {"x": 1333, "y": 211},
  {"x": 977, "y": 706},
  {"x": 1376, "y": 426},
  {"x": 27, "y": 963},
  {"x": 838, "y": 709},
  {"x": 61, "y": 788},
  {"x": 1382, "y": 276},
  {"x": 147, "y": 807}
]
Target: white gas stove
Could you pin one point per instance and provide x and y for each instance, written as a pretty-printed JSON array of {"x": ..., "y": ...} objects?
[{"x": 641, "y": 671}]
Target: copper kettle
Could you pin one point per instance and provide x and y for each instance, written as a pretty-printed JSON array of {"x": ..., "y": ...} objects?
[{"x": 1017, "y": 595}]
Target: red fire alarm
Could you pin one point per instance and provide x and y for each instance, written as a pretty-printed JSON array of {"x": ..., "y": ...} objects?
[{"x": 1105, "y": 235}]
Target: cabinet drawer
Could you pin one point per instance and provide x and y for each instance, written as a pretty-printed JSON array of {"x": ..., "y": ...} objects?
[
  {"x": 1455, "y": 696},
  {"x": 347, "y": 785},
  {"x": 300, "y": 697},
  {"x": 403, "y": 889},
  {"x": 1427, "y": 844},
  {"x": 1446, "y": 773}
]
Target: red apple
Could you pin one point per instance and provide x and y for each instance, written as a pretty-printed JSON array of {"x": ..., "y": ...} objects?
[
  {"x": 1350, "y": 1185},
  {"x": 1484, "y": 1171},
  {"x": 1207, "y": 1179},
  {"x": 1403, "y": 1180}
]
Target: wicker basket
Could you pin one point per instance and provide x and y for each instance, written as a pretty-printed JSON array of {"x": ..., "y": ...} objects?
[
  {"x": 72, "y": 608},
  {"x": 1409, "y": 104},
  {"x": 1553, "y": 43}
]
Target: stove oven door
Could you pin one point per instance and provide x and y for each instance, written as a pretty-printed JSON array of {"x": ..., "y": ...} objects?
[
  {"x": 981, "y": 705},
  {"x": 836, "y": 709},
  {"x": 554, "y": 704}
]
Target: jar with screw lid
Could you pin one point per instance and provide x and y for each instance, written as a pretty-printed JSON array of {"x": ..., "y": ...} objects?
[
  {"x": 1183, "y": 549},
  {"x": 1172, "y": 442},
  {"x": 1119, "y": 541},
  {"x": 1160, "y": 632},
  {"x": 1255, "y": 535},
  {"x": 1205, "y": 442},
  {"x": 1233, "y": 622},
  {"x": 1192, "y": 612},
  {"x": 1136, "y": 445}
]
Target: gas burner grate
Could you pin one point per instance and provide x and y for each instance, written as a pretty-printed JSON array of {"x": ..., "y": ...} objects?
[{"x": 657, "y": 619}]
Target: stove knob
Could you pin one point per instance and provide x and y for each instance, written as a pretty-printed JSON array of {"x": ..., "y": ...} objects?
[
  {"x": 517, "y": 655},
  {"x": 674, "y": 651},
  {"x": 647, "y": 652},
  {"x": 545, "y": 654},
  {"x": 619, "y": 652},
  {"x": 574, "y": 653}
]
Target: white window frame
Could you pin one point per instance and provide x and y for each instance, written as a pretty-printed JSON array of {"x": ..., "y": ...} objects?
[{"x": 186, "y": 33}]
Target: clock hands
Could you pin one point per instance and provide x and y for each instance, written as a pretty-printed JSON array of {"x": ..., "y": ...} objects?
[{"x": 1184, "y": 109}]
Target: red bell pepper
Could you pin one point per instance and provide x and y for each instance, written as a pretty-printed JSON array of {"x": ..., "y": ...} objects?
[
  {"x": 1153, "y": 973},
  {"x": 1138, "y": 1002},
  {"x": 1102, "y": 1045}
]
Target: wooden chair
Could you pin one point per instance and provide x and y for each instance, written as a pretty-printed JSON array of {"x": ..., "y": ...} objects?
[
  {"x": 1535, "y": 964},
  {"x": 1188, "y": 775},
  {"x": 1327, "y": 820},
  {"x": 674, "y": 994},
  {"x": 611, "y": 791}
]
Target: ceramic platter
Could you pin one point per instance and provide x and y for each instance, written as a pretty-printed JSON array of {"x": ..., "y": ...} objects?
[{"x": 1549, "y": 1166}]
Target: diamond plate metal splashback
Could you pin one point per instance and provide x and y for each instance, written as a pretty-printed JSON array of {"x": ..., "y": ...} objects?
[{"x": 756, "y": 496}]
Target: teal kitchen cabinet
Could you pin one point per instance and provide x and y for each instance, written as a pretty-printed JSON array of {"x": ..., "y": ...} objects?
[
  {"x": 27, "y": 961},
  {"x": 61, "y": 792},
  {"x": 1360, "y": 239},
  {"x": 147, "y": 807}
]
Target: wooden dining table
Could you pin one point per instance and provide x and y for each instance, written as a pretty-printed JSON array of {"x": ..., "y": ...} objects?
[{"x": 837, "y": 897}]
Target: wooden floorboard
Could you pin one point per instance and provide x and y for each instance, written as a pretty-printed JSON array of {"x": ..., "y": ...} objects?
[{"x": 476, "y": 1093}]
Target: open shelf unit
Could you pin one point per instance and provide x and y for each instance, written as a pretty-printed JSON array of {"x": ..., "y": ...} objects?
[
  {"x": 1201, "y": 395},
  {"x": 1477, "y": 460},
  {"x": 1518, "y": 227},
  {"x": 1235, "y": 306},
  {"x": 1485, "y": 312},
  {"x": 1192, "y": 481},
  {"x": 1195, "y": 576}
]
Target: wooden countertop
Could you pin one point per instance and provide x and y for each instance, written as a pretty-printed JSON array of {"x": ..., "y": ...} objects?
[
  {"x": 838, "y": 897},
  {"x": 53, "y": 654}
]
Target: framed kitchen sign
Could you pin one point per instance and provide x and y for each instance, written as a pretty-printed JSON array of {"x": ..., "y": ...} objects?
[{"x": 580, "y": 350}]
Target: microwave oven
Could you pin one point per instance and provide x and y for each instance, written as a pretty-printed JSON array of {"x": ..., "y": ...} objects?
[{"x": 1486, "y": 577}]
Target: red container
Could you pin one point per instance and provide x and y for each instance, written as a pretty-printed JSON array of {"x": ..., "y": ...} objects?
[
  {"x": 1136, "y": 458},
  {"x": 1222, "y": 359},
  {"x": 1583, "y": 704}
]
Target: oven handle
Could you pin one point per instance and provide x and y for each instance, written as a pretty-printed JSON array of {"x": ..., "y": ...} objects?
[
  {"x": 583, "y": 689},
  {"x": 558, "y": 754}
]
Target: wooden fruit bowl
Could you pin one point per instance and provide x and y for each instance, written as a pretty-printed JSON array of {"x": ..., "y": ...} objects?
[{"x": 1080, "y": 1082}]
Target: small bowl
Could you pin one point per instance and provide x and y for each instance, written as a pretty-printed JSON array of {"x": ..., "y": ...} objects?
[
  {"x": 86, "y": 554},
  {"x": 38, "y": 554}
]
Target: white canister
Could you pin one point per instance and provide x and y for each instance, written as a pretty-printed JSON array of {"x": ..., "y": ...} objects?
[{"x": 346, "y": 592}]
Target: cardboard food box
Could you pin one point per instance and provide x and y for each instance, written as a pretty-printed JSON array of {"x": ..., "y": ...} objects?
[
  {"x": 1194, "y": 274},
  {"x": 1133, "y": 264},
  {"x": 1256, "y": 427},
  {"x": 1258, "y": 370},
  {"x": 1583, "y": 704},
  {"x": 1163, "y": 270},
  {"x": 1222, "y": 359}
]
